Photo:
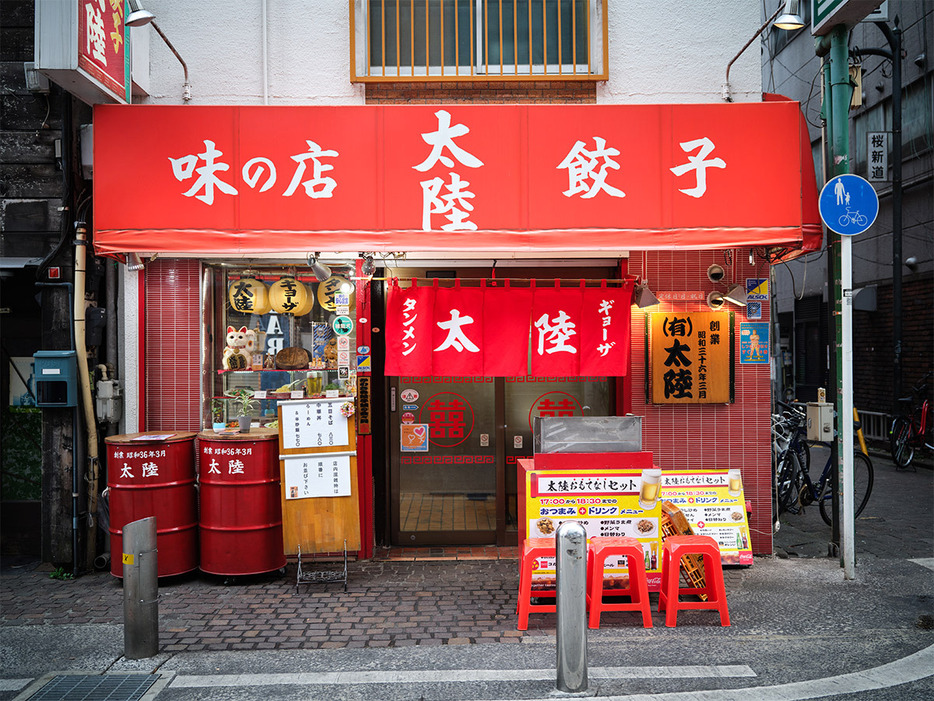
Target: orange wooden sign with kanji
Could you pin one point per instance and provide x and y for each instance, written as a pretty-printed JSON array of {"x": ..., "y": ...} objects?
[{"x": 691, "y": 357}]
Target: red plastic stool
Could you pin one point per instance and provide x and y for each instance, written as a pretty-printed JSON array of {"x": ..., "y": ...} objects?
[
  {"x": 638, "y": 591},
  {"x": 675, "y": 548},
  {"x": 532, "y": 549}
]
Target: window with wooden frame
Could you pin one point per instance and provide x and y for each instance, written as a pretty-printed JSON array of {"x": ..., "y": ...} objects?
[{"x": 425, "y": 40}]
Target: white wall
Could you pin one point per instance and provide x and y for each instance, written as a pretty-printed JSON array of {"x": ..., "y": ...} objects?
[
  {"x": 660, "y": 52},
  {"x": 222, "y": 43},
  {"x": 677, "y": 51}
]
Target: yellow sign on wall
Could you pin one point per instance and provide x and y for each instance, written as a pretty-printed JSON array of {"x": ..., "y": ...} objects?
[{"x": 691, "y": 357}]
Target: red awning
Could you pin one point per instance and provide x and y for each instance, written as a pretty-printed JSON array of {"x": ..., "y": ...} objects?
[{"x": 230, "y": 180}]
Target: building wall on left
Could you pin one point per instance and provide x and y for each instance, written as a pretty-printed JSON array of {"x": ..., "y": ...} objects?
[{"x": 40, "y": 186}]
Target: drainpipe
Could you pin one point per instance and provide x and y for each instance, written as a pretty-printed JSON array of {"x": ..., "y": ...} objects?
[{"x": 87, "y": 401}]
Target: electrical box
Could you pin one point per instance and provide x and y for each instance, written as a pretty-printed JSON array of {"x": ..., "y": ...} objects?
[
  {"x": 820, "y": 421},
  {"x": 109, "y": 407},
  {"x": 56, "y": 374}
]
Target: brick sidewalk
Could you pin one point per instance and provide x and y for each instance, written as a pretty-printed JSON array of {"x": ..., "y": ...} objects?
[{"x": 388, "y": 603}]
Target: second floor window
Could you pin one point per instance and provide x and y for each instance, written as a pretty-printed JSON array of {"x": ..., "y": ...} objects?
[{"x": 489, "y": 38}]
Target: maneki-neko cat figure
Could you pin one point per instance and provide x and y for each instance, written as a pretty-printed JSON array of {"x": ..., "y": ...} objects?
[{"x": 238, "y": 354}]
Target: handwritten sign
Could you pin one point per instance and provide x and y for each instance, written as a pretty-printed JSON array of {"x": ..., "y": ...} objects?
[
  {"x": 310, "y": 476},
  {"x": 313, "y": 423}
]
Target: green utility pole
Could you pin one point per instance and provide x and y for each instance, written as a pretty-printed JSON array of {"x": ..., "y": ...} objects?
[{"x": 837, "y": 95}]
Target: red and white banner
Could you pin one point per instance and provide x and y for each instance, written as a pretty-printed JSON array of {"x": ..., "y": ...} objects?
[
  {"x": 251, "y": 179},
  {"x": 489, "y": 331}
]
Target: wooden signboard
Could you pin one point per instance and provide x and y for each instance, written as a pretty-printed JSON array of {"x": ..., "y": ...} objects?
[
  {"x": 691, "y": 357},
  {"x": 318, "y": 472}
]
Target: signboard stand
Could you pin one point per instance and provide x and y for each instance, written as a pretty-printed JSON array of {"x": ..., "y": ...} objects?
[{"x": 318, "y": 470}]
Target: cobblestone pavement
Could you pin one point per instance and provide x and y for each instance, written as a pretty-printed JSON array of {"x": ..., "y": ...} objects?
[
  {"x": 387, "y": 603},
  {"x": 453, "y": 598}
]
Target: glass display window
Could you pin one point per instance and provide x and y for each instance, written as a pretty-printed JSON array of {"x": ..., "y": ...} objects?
[{"x": 280, "y": 334}]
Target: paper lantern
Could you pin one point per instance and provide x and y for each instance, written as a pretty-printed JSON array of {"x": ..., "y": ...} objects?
[
  {"x": 287, "y": 294},
  {"x": 248, "y": 296},
  {"x": 308, "y": 305},
  {"x": 330, "y": 288}
]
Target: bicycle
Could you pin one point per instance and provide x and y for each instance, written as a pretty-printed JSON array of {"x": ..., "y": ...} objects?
[
  {"x": 911, "y": 430},
  {"x": 853, "y": 218},
  {"x": 794, "y": 487}
]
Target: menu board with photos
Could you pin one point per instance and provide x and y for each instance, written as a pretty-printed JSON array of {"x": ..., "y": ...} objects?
[
  {"x": 313, "y": 423},
  {"x": 606, "y": 503},
  {"x": 714, "y": 504}
]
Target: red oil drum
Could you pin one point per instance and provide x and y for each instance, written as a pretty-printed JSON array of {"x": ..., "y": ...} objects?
[
  {"x": 153, "y": 474},
  {"x": 241, "y": 508}
]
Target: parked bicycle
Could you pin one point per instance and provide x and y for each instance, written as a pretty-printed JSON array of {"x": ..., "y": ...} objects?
[
  {"x": 912, "y": 429},
  {"x": 794, "y": 487}
]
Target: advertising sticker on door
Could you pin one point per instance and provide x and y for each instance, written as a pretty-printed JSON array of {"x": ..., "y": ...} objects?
[{"x": 414, "y": 438}]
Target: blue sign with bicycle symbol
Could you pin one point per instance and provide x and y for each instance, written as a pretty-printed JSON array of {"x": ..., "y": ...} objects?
[{"x": 848, "y": 204}]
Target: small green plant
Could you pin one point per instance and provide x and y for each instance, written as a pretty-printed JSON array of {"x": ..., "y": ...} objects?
[
  {"x": 61, "y": 573},
  {"x": 243, "y": 401},
  {"x": 217, "y": 410}
]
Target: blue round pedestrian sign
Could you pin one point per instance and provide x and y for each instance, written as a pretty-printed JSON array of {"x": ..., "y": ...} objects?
[{"x": 848, "y": 204}]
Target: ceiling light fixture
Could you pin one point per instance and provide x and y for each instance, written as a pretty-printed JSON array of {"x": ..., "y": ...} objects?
[
  {"x": 790, "y": 18},
  {"x": 321, "y": 271},
  {"x": 369, "y": 267},
  {"x": 736, "y": 295},
  {"x": 138, "y": 16},
  {"x": 644, "y": 297}
]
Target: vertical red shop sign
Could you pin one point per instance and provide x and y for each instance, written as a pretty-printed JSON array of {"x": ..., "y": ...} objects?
[
  {"x": 556, "y": 340},
  {"x": 101, "y": 45},
  {"x": 457, "y": 344},
  {"x": 409, "y": 330},
  {"x": 605, "y": 330}
]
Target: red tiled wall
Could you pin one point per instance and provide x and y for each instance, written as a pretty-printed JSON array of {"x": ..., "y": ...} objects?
[
  {"x": 172, "y": 345},
  {"x": 708, "y": 436}
]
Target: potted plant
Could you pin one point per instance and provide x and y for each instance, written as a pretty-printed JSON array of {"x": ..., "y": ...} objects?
[
  {"x": 244, "y": 405},
  {"x": 217, "y": 413}
]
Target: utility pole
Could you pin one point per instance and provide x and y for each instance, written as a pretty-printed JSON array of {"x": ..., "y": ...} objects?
[
  {"x": 837, "y": 95},
  {"x": 894, "y": 54}
]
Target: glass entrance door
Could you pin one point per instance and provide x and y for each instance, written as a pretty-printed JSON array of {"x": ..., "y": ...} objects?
[
  {"x": 455, "y": 445},
  {"x": 443, "y": 460}
]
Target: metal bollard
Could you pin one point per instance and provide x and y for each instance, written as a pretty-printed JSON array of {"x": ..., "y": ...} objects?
[
  {"x": 140, "y": 590},
  {"x": 571, "y": 632}
]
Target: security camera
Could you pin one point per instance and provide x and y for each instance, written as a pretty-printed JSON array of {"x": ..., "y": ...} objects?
[
  {"x": 715, "y": 300},
  {"x": 715, "y": 273}
]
